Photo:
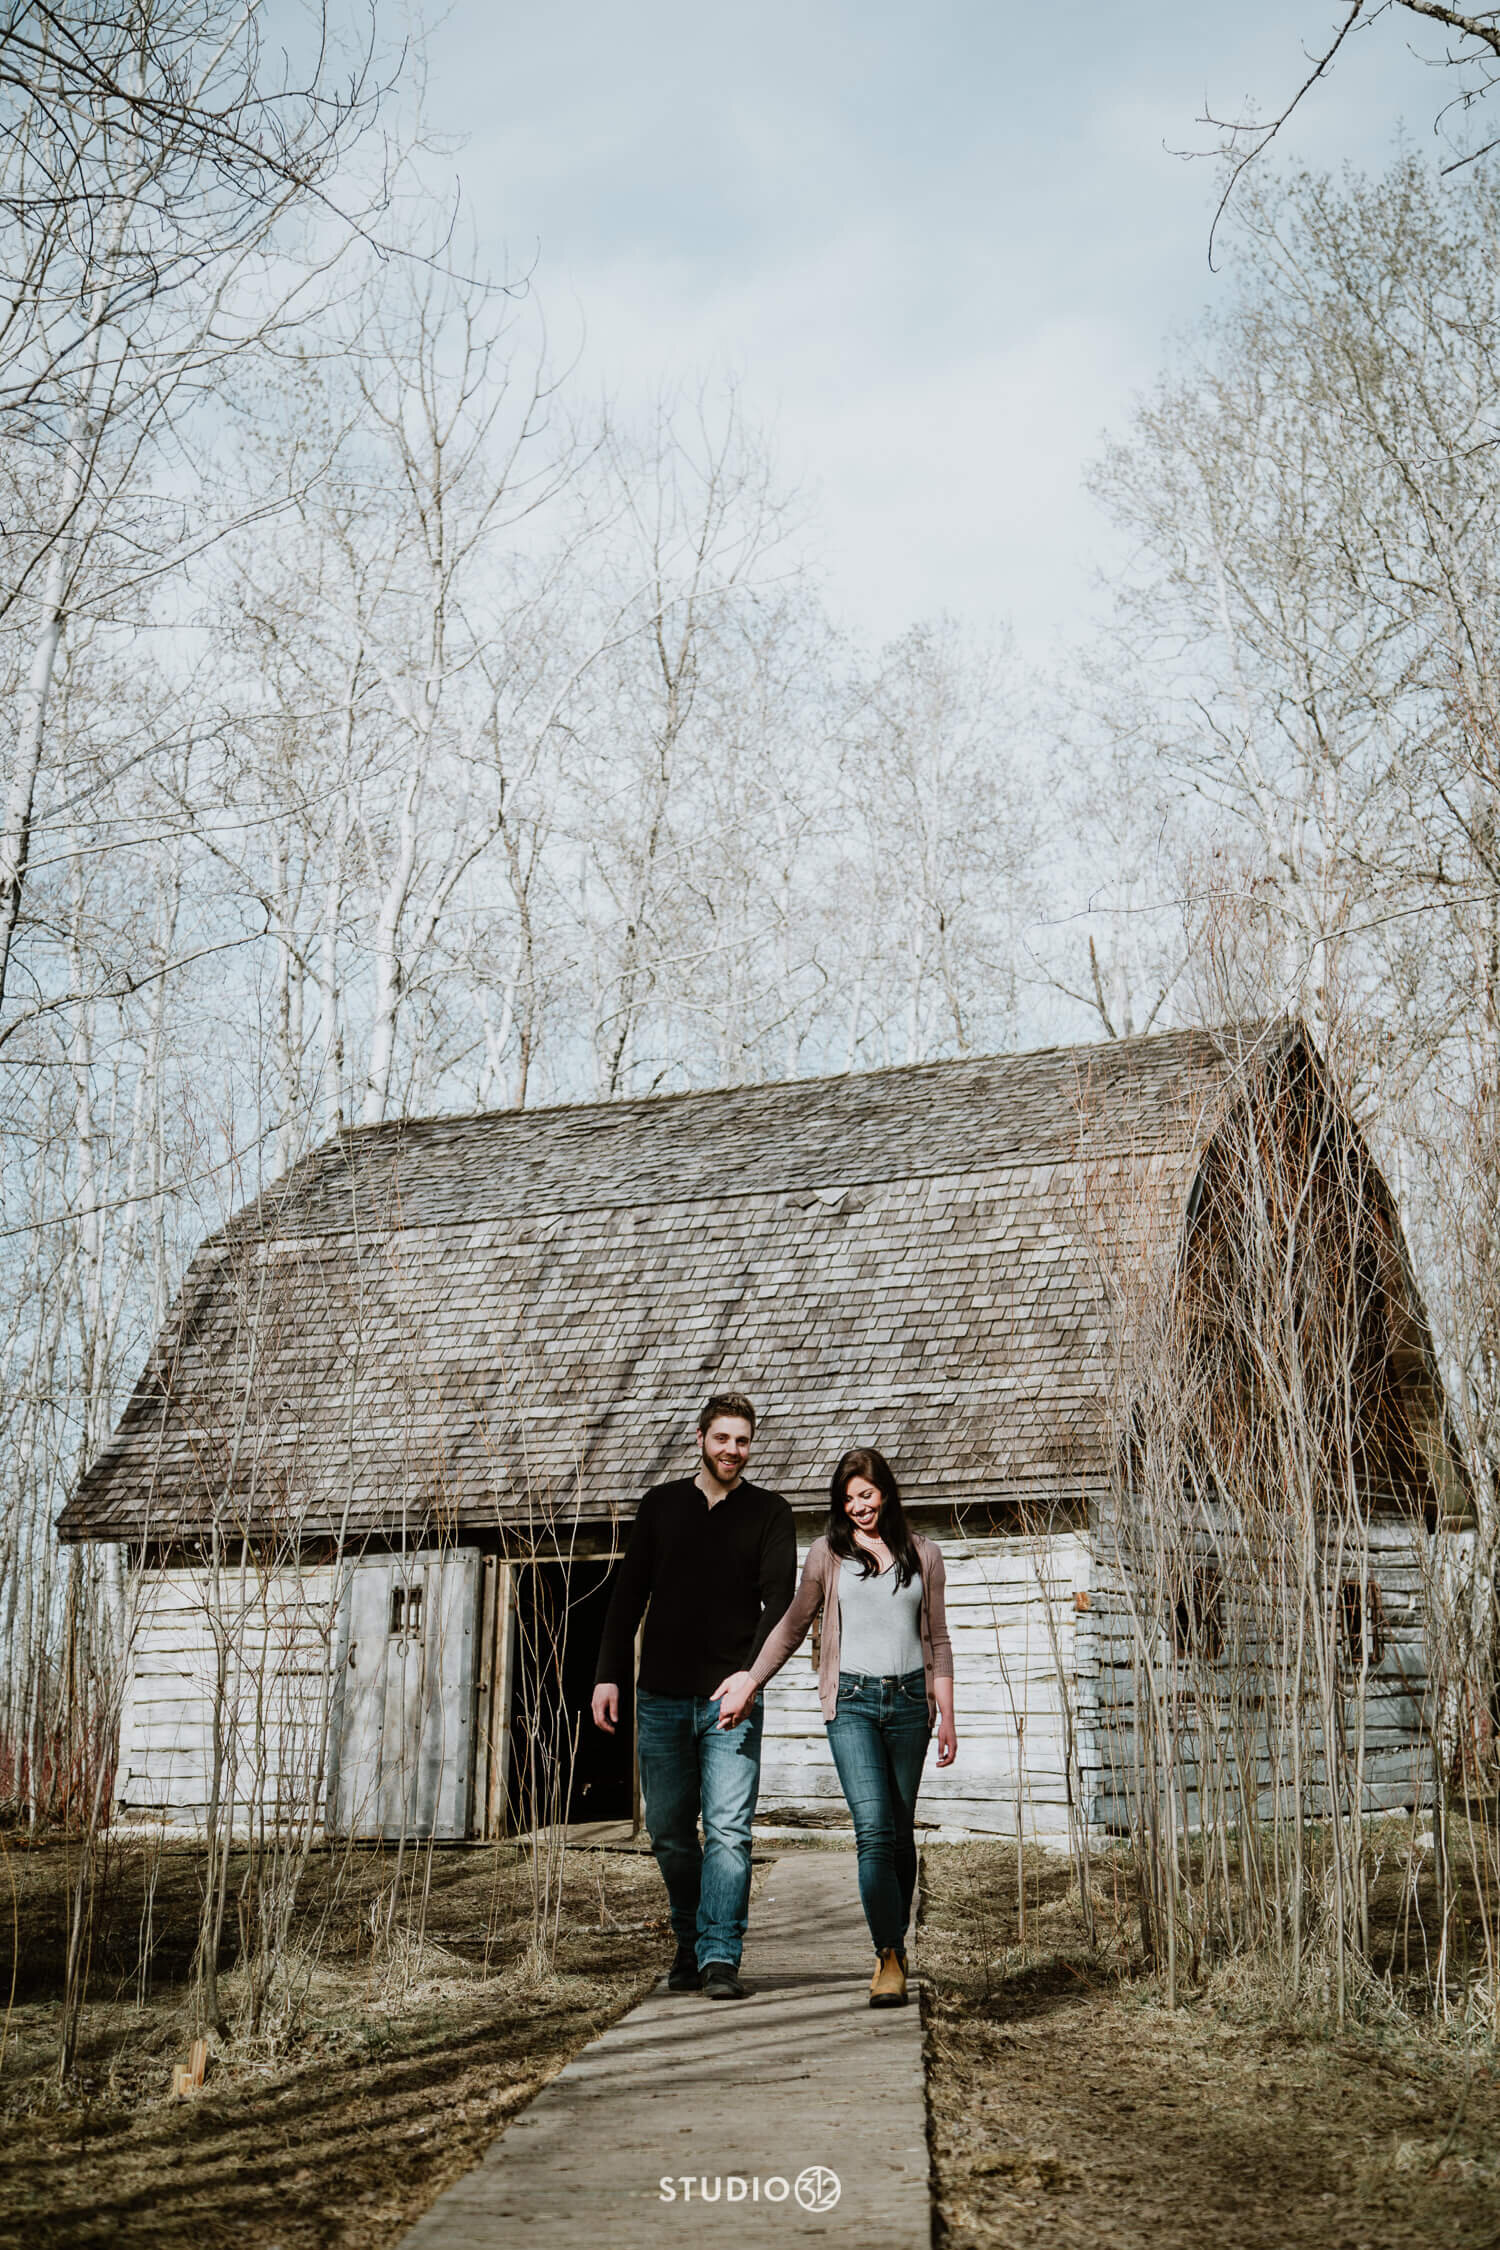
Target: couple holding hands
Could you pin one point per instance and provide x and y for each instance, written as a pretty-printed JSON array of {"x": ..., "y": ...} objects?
[{"x": 710, "y": 1565}]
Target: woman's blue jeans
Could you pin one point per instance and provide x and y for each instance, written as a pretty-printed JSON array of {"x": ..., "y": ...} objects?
[
  {"x": 689, "y": 1767},
  {"x": 878, "y": 1736}
]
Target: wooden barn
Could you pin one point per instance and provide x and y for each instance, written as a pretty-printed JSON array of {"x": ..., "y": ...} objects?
[{"x": 373, "y": 1477}]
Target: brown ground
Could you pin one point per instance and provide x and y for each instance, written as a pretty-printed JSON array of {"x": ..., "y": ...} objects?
[
  {"x": 1070, "y": 2108},
  {"x": 338, "y": 2134}
]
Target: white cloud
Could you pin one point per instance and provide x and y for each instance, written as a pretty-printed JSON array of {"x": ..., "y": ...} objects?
[{"x": 941, "y": 247}]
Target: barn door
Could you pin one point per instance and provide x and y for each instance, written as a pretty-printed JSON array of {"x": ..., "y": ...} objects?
[{"x": 404, "y": 1694}]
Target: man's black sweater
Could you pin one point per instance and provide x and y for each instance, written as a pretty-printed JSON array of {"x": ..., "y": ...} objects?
[{"x": 716, "y": 1578}]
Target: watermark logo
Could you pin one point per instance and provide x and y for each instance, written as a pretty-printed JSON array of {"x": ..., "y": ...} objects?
[
  {"x": 815, "y": 2188},
  {"x": 818, "y": 2189}
]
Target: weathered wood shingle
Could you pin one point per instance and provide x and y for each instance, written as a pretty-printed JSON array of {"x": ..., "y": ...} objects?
[{"x": 458, "y": 1320}]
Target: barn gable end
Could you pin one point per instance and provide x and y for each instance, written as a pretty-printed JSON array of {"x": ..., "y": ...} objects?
[{"x": 1285, "y": 1476}]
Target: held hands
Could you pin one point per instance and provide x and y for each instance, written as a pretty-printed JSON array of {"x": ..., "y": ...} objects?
[
  {"x": 734, "y": 1697},
  {"x": 607, "y": 1706}
]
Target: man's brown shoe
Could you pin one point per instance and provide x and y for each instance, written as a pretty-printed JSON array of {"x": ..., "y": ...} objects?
[{"x": 888, "y": 1985}]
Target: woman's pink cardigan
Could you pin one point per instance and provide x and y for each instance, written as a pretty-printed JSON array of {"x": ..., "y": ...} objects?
[{"x": 819, "y": 1590}]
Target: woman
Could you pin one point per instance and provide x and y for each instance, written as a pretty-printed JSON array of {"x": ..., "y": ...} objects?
[{"x": 885, "y": 1672}]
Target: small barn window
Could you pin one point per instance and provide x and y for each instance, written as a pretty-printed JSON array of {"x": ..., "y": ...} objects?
[
  {"x": 406, "y": 1613},
  {"x": 1361, "y": 1624},
  {"x": 1198, "y": 1615}
]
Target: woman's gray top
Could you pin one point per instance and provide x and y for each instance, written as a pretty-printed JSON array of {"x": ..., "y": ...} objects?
[{"x": 879, "y": 1623}]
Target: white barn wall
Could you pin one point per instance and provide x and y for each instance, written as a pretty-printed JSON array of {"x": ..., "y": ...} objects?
[
  {"x": 258, "y": 1649},
  {"x": 281, "y": 1638},
  {"x": 1012, "y": 1762},
  {"x": 1398, "y": 1750}
]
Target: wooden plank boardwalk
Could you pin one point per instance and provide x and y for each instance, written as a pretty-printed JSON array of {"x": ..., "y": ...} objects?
[{"x": 720, "y": 2122}]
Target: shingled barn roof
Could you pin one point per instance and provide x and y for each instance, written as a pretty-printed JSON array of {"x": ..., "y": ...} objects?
[{"x": 451, "y": 1321}]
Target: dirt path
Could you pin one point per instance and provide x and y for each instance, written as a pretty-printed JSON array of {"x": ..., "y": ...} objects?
[
  {"x": 726, "y": 2123},
  {"x": 1070, "y": 2110}
]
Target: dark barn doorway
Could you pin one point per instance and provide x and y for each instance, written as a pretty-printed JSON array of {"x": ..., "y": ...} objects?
[{"x": 561, "y": 1766}]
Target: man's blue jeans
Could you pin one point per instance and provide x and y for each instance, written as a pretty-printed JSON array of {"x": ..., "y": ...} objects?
[
  {"x": 688, "y": 1766},
  {"x": 878, "y": 1736}
]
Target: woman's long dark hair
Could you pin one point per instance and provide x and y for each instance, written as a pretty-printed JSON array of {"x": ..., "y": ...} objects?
[{"x": 864, "y": 1461}]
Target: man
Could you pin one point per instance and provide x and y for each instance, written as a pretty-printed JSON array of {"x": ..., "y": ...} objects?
[{"x": 715, "y": 1557}]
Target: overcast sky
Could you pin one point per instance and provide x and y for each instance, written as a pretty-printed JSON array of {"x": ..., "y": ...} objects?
[{"x": 941, "y": 245}]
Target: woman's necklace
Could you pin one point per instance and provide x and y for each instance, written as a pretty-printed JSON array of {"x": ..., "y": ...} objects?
[{"x": 876, "y": 1547}]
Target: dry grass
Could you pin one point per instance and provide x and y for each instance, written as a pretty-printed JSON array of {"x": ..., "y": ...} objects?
[
  {"x": 390, "y": 2067},
  {"x": 1070, "y": 2106}
]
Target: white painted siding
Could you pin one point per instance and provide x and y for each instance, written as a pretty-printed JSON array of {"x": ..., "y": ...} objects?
[
  {"x": 232, "y": 1660},
  {"x": 1012, "y": 1763},
  {"x": 263, "y": 1673},
  {"x": 1397, "y": 1715}
]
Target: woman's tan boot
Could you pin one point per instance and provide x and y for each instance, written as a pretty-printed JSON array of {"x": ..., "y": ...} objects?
[{"x": 888, "y": 1985}]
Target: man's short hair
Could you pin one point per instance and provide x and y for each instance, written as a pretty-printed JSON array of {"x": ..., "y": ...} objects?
[{"x": 726, "y": 1402}]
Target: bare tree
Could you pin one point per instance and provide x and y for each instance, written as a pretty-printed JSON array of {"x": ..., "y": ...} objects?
[
  {"x": 1119, "y": 851},
  {"x": 1470, "y": 54},
  {"x": 696, "y": 525},
  {"x": 937, "y": 828},
  {"x": 1310, "y": 650},
  {"x": 153, "y": 168},
  {"x": 389, "y": 646}
]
